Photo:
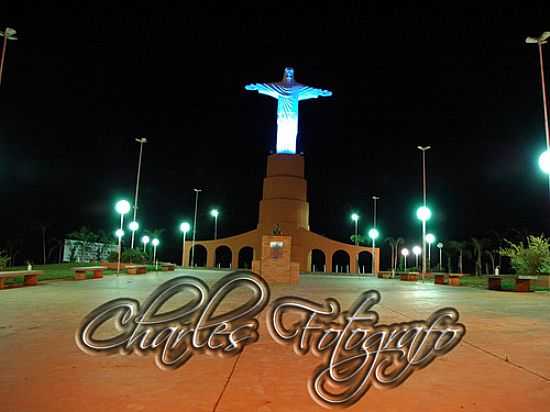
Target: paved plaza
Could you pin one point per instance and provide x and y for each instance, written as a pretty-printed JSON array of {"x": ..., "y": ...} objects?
[{"x": 502, "y": 364}]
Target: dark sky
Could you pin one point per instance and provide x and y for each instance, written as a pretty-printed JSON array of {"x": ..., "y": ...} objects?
[{"x": 82, "y": 82}]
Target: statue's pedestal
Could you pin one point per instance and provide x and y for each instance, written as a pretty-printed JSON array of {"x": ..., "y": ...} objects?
[{"x": 275, "y": 265}]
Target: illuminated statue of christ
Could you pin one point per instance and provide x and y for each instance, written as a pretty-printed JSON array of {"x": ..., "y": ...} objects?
[{"x": 288, "y": 93}]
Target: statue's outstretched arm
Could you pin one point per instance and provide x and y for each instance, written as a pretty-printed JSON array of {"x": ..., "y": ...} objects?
[
  {"x": 263, "y": 88},
  {"x": 313, "y": 93}
]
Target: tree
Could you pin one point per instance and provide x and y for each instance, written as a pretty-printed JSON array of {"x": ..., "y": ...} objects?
[
  {"x": 478, "y": 247},
  {"x": 394, "y": 244},
  {"x": 532, "y": 258},
  {"x": 361, "y": 240},
  {"x": 56, "y": 244},
  {"x": 457, "y": 249},
  {"x": 4, "y": 259},
  {"x": 491, "y": 255}
]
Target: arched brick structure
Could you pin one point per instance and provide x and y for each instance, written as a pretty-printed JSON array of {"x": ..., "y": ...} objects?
[{"x": 284, "y": 203}]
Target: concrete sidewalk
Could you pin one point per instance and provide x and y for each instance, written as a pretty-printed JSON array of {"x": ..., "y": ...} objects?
[{"x": 502, "y": 364}]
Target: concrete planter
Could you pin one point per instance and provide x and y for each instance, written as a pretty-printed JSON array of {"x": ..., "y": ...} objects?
[
  {"x": 409, "y": 276},
  {"x": 543, "y": 281}
]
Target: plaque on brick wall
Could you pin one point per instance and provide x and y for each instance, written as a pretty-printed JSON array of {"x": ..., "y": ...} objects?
[{"x": 276, "y": 249}]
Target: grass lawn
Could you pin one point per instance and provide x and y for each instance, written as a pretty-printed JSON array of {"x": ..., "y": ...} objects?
[
  {"x": 60, "y": 271},
  {"x": 481, "y": 282}
]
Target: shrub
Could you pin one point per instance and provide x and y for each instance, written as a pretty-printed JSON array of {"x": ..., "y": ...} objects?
[
  {"x": 532, "y": 258},
  {"x": 129, "y": 256},
  {"x": 4, "y": 259}
]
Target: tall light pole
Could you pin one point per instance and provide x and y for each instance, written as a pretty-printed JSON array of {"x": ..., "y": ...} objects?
[
  {"x": 122, "y": 207},
  {"x": 215, "y": 213},
  {"x": 373, "y": 234},
  {"x": 133, "y": 226},
  {"x": 7, "y": 34},
  {"x": 430, "y": 239},
  {"x": 544, "y": 159},
  {"x": 184, "y": 227},
  {"x": 374, "y": 199},
  {"x": 423, "y": 149},
  {"x": 119, "y": 233},
  {"x": 417, "y": 251},
  {"x": 355, "y": 218},
  {"x": 197, "y": 191},
  {"x": 155, "y": 243},
  {"x": 141, "y": 142},
  {"x": 440, "y": 247},
  {"x": 145, "y": 239},
  {"x": 405, "y": 253}
]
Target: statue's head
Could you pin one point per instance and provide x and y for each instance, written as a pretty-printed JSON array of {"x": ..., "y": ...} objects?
[{"x": 289, "y": 73}]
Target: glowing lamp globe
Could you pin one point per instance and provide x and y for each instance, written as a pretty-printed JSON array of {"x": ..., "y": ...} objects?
[
  {"x": 423, "y": 213},
  {"x": 155, "y": 242},
  {"x": 417, "y": 250},
  {"x": 214, "y": 213},
  {"x": 122, "y": 207},
  {"x": 133, "y": 226},
  {"x": 119, "y": 233},
  {"x": 544, "y": 162},
  {"x": 440, "y": 245},
  {"x": 185, "y": 227},
  {"x": 405, "y": 252},
  {"x": 373, "y": 234},
  {"x": 145, "y": 239},
  {"x": 430, "y": 238},
  {"x": 354, "y": 217}
]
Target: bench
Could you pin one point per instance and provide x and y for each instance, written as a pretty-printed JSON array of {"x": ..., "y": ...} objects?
[
  {"x": 523, "y": 283},
  {"x": 30, "y": 277},
  {"x": 384, "y": 274},
  {"x": 80, "y": 273},
  {"x": 409, "y": 276},
  {"x": 167, "y": 267},
  {"x": 136, "y": 269}
]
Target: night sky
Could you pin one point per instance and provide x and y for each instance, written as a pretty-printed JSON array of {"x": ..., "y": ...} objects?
[{"x": 82, "y": 82}]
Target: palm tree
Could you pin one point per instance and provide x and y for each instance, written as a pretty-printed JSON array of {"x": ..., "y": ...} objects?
[
  {"x": 457, "y": 249},
  {"x": 56, "y": 244},
  {"x": 360, "y": 239},
  {"x": 477, "y": 245},
  {"x": 491, "y": 256},
  {"x": 394, "y": 244}
]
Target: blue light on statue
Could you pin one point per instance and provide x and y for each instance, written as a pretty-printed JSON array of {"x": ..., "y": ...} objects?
[{"x": 288, "y": 93}]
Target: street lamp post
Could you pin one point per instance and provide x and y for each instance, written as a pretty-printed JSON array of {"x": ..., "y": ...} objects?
[
  {"x": 141, "y": 142},
  {"x": 184, "y": 227},
  {"x": 430, "y": 239},
  {"x": 145, "y": 239},
  {"x": 424, "y": 214},
  {"x": 417, "y": 251},
  {"x": 440, "y": 247},
  {"x": 155, "y": 243},
  {"x": 373, "y": 234},
  {"x": 355, "y": 218},
  {"x": 122, "y": 207},
  {"x": 133, "y": 226},
  {"x": 197, "y": 191},
  {"x": 7, "y": 34},
  {"x": 374, "y": 198},
  {"x": 119, "y": 233},
  {"x": 215, "y": 213},
  {"x": 405, "y": 253},
  {"x": 424, "y": 149},
  {"x": 539, "y": 41}
]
